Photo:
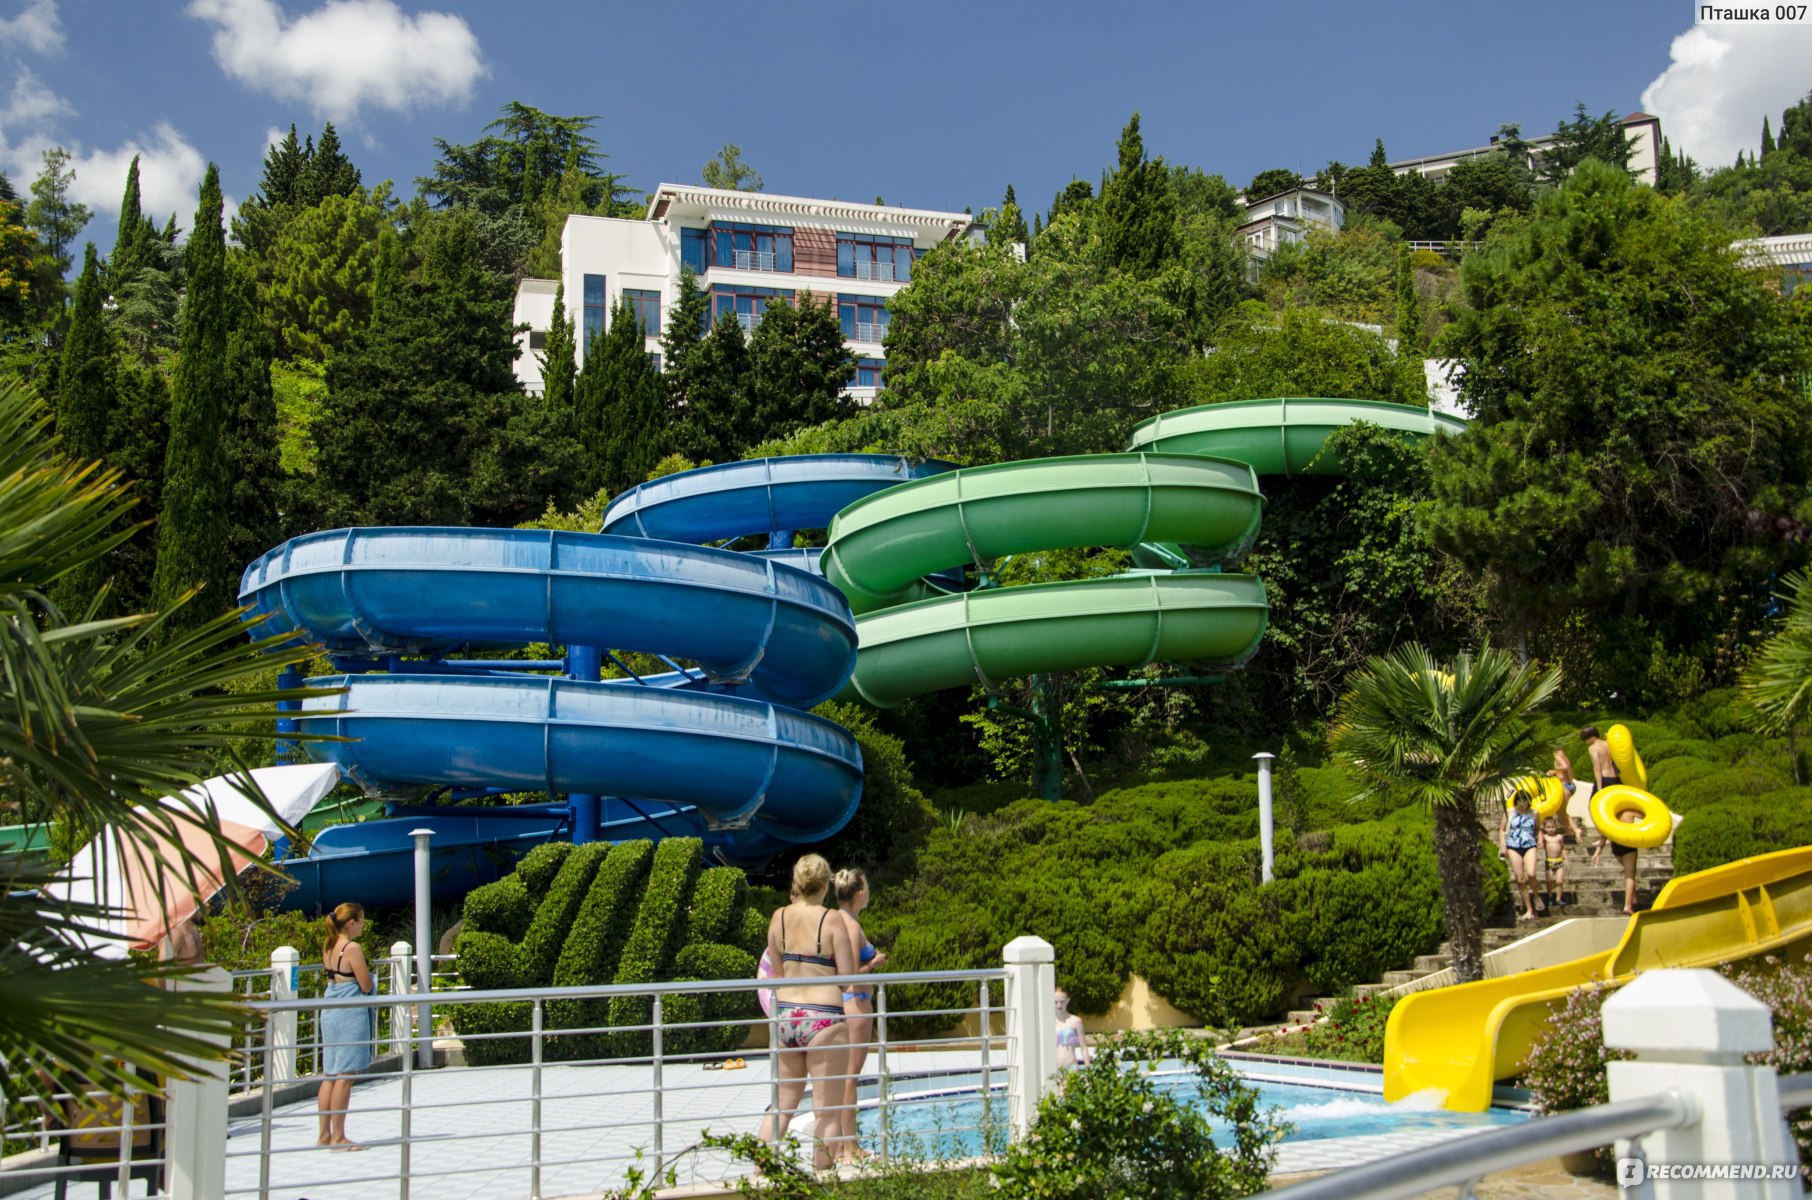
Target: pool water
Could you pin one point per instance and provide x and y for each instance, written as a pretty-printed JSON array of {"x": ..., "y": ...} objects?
[{"x": 947, "y": 1125}]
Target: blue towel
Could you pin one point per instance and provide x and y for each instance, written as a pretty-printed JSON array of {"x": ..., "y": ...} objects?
[{"x": 346, "y": 1033}]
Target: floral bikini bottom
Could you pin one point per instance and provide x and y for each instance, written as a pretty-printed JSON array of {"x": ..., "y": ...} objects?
[{"x": 800, "y": 1023}]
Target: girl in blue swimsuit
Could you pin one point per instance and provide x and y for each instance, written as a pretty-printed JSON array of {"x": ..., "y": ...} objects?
[{"x": 851, "y": 888}]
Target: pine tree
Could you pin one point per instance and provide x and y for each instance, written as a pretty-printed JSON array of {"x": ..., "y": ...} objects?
[
  {"x": 283, "y": 168},
  {"x": 191, "y": 533},
  {"x": 85, "y": 385},
  {"x": 799, "y": 365},
  {"x": 1138, "y": 212},
  {"x": 328, "y": 172},
  {"x": 1767, "y": 138},
  {"x": 714, "y": 424},
  {"x": 56, "y": 218},
  {"x": 1379, "y": 158},
  {"x": 1409, "y": 307},
  {"x": 557, "y": 366},
  {"x": 1010, "y": 225}
]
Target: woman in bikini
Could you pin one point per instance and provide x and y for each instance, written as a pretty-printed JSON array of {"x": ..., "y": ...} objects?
[
  {"x": 851, "y": 889},
  {"x": 346, "y": 1033},
  {"x": 810, "y": 941}
]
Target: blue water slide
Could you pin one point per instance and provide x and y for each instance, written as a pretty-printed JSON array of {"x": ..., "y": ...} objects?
[
  {"x": 432, "y": 591},
  {"x": 758, "y": 495},
  {"x": 741, "y": 764}
]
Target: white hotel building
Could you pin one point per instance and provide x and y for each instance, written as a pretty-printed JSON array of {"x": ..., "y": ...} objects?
[{"x": 748, "y": 249}]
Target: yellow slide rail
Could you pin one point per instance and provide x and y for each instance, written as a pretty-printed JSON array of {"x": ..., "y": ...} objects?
[{"x": 1460, "y": 1040}]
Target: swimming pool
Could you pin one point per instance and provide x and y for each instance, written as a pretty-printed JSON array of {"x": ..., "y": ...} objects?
[{"x": 949, "y": 1123}]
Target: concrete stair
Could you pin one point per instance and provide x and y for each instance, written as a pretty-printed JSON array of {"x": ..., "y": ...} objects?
[{"x": 1589, "y": 892}]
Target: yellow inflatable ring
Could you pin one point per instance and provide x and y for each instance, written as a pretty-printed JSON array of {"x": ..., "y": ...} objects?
[
  {"x": 1630, "y": 768},
  {"x": 1653, "y": 825},
  {"x": 1548, "y": 792}
]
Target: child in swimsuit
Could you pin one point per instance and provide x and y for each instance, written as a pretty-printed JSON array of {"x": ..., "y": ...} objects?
[
  {"x": 851, "y": 889},
  {"x": 1554, "y": 859},
  {"x": 1072, "y": 1043}
]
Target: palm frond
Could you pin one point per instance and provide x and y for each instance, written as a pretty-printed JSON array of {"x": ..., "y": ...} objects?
[{"x": 1778, "y": 681}]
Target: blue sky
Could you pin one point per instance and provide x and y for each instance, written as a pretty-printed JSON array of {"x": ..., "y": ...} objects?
[{"x": 934, "y": 105}]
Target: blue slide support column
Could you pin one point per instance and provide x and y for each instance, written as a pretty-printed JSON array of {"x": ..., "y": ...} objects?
[
  {"x": 585, "y": 662},
  {"x": 288, "y": 677}
]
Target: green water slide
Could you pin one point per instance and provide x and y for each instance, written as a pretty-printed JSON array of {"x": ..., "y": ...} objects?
[
  {"x": 881, "y": 546},
  {"x": 1281, "y": 436}
]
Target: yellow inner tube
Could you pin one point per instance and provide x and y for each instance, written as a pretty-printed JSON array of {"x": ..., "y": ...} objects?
[
  {"x": 1630, "y": 768},
  {"x": 1653, "y": 825},
  {"x": 1546, "y": 792}
]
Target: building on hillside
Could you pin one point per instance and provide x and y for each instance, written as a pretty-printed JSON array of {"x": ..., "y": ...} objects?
[
  {"x": 749, "y": 250},
  {"x": 1791, "y": 254},
  {"x": 1287, "y": 217},
  {"x": 1643, "y": 131}
]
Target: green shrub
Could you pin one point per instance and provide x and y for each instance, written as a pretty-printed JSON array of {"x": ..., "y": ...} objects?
[
  {"x": 503, "y": 908},
  {"x": 707, "y": 961},
  {"x": 1718, "y": 834},
  {"x": 539, "y": 866},
  {"x": 1353, "y": 1031},
  {"x": 547, "y": 934},
  {"x": 594, "y": 946},
  {"x": 891, "y": 823},
  {"x": 1786, "y": 988},
  {"x": 753, "y": 930},
  {"x": 1111, "y": 1131},
  {"x": 653, "y": 940},
  {"x": 489, "y": 961},
  {"x": 722, "y": 893}
]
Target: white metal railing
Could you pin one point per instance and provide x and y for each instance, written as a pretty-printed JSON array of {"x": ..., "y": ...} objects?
[
  {"x": 748, "y": 321},
  {"x": 1453, "y": 249},
  {"x": 866, "y": 332},
  {"x": 877, "y": 272},
  {"x": 755, "y": 260}
]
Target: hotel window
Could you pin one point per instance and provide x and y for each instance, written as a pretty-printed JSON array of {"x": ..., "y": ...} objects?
[
  {"x": 654, "y": 360},
  {"x": 748, "y": 303},
  {"x": 751, "y": 247},
  {"x": 868, "y": 373},
  {"x": 537, "y": 339},
  {"x": 882, "y": 259},
  {"x": 595, "y": 307},
  {"x": 692, "y": 250},
  {"x": 647, "y": 306},
  {"x": 863, "y": 318}
]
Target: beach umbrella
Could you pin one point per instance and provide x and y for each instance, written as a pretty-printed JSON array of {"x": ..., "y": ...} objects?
[{"x": 145, "y": 886}]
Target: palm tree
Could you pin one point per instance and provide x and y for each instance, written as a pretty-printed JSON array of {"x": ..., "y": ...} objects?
[
  {"x": 99, "y": 719},
  {"x": 1453, "y": 737},
  {"x": 1778, "y": 681}
]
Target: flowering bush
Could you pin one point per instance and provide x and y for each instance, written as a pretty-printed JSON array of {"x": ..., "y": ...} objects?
[
  {"x": 1353, "y": 1031},
  {"x": 1786, "y": 988},
  {"x": 1566, "y": 1065},
  {"x": 1111, "y": 1131}
]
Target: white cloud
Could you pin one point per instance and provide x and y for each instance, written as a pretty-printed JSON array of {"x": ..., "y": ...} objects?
[
  {"x": 35, "y": 28},
  {"x": 1722, "y": 81},
  {"x": 31, "y": 104},
  {"x": 345, "y": 55},
  {"x": 169, "y": 176}
]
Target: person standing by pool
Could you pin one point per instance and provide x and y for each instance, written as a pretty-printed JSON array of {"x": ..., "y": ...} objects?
[
  {"x": 1516, "y": 841},
  {"x": 811, "y": 1019},
  {"x": 346, "y": 1033},
  {"x": 851, "y": 889},
  {"x": 1072, "y": 1043}
]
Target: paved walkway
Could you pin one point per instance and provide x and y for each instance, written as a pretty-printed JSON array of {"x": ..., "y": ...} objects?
[{"x": 471, "y": 1133}]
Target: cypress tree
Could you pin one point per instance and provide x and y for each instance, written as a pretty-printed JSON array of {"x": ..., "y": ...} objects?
[
  {"x": 557, "y": 365},
  {"x": 1409, "y": 307},
  {"x": 1378, "y": 159},
  {"x": 328, "y": 171},
  {"x": 1767, "y": 138},
  {"x": 799, "y": 365},
  {"x": 1012, "y": 221},
  {"x": 590, "y": 398},
  {"x": 283, "y": 167},
  {"x": 631, "y": 435},
  {"x": 681, "y": 343},
  {"x": 85, "y": 385},
  {"x": 132, "y": 243},
  {"x": 712, "y": 427},
  {"x": 191, "y": 533},
  {"x": 1138, "y": 212},
  {"x": 249, "y": 448}
]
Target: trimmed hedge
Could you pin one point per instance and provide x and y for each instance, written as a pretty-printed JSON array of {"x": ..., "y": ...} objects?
[
  {"x": 1743, "y": 828},
  {"x": 595, "y": 944},
  {"x": 721, "y": 892},
  {"x": 655, "y": 938},
  {"x": 600, "y": 913},
  {"x": 709, "y": 961}
]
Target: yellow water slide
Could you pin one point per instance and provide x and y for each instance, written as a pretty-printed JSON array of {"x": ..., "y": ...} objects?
[{"x": 1460, "y": 1040}]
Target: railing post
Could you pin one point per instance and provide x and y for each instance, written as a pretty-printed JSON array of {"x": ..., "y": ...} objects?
[
  {"x": 400, "y": 1014},
  {"x": 196, "y": 1117},
  {"x": 424, "y": 950},
  {"x": 660, "y": 1114},
  {"x": 536, "y": 1031},
  {"x": 1031, "y": 1002},
  {"x": 1690, "y": 1031},
  {"x": 280, "y": 1030},
  {"x": 883, "y": 1076},
  {"x": 987, "y": 1074}
]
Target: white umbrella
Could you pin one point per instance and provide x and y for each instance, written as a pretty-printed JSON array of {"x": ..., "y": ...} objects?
[{"x": 148, "y": 895}]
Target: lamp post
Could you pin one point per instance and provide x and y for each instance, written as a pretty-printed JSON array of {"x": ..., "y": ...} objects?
[{"x": 1265, "y": 822}]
